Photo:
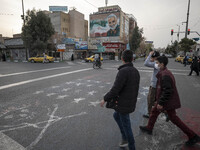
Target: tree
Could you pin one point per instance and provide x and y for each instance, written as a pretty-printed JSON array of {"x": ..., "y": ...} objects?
[
  {"x": 136, "y": 38},
  {"x": 186, "y": 44},
  {"x": 172, "y": 49},
  {"x": 37, "y": 31}
]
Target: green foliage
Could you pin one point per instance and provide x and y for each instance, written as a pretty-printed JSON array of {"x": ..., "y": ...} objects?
[
  {"x": 186, "y": 44},
  {"x": 37, "y": 31},
  {"x": 136, "y": 38},
  {"x": 172, "y": 49}
]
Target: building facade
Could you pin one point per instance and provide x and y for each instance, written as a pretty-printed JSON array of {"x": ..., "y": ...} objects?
[
  {"x": 110, "y": 27},
  {"x": 70, "y": 28}
]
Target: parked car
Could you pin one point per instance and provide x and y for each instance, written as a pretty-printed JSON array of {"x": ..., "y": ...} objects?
[
  {"x": 41, "y": 58},
  {"x": 169, "y": 55},
  {"x": 91, "y": 59},
  {"x": 178, "y": 58}
]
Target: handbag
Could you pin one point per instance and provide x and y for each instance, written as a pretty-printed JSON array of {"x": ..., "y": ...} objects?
[{"x": 112, "y": 104}]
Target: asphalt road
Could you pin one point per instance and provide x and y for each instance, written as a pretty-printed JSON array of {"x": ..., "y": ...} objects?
[{"x": 56, "y": 106}]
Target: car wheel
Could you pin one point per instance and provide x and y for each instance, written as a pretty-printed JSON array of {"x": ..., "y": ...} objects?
[
  {"x": 32, "y": 61},
  {"x": 47, "y": 61}
]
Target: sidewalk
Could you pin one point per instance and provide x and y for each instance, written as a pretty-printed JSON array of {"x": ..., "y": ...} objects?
[
  {"x": 166, "y": 136},
  {"x": 7, "y": 143}
]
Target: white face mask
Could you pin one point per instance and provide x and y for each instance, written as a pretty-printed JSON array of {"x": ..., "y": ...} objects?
[{"x": 156, "y": 66}]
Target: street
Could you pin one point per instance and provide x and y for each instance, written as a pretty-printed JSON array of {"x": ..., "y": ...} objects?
[{"x": 55, "y": 106}]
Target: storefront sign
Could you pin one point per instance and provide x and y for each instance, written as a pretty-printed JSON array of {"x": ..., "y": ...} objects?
[{"x": 114, "y": 45}]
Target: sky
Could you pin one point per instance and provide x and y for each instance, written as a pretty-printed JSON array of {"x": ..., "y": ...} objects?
[{"x": 156, "y": 17}]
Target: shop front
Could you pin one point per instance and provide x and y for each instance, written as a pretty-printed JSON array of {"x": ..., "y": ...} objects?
[{"x": 114, "y": 49}]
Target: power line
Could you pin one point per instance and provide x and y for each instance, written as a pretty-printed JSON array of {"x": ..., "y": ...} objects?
[
  {"x": 90, "y": 4},
  {"x": 6, "y": 14}
]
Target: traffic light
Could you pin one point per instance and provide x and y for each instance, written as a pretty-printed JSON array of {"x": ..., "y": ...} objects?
[
  {"x": 22, "y": 16},
  {"x": 188, "y": 31},
  {"x": 172, "y": 31}
]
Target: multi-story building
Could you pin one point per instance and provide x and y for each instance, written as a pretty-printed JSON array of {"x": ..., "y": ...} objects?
[
  {"x": 110, "y": 27},
  {"x": 72, "y": 28},
  {"x": 71, "y": 25}
]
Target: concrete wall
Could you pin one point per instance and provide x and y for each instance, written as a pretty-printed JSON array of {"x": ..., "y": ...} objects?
[
  {"x": 65, "y": 23},
  {"x": 56, "y": 21},
  {"x": 77, "y": 24},
  {"x": 86, "y": 31}
]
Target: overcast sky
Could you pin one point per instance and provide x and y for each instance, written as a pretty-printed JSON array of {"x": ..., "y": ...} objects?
[{"x": 156, "y": 17}]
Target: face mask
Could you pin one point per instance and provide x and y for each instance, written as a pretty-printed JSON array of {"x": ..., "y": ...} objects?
[{"x": 157, "y": 67}]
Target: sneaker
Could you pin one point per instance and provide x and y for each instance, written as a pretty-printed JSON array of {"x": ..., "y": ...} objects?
[
  {"x": 145, "y": 129},
  {"x": 146, "y": 116},
  {"x": 123, "y": 143},
  {"x": 192, "y": 141}
]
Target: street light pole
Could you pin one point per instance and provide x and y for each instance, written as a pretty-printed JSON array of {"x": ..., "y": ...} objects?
[
  {"x": 187, "y": 19},
  {"x": 178, "y": 32},
  {"x": 23, "y": 17}
]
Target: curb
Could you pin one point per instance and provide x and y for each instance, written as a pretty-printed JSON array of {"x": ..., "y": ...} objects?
[{"x": 6, "y": 143}]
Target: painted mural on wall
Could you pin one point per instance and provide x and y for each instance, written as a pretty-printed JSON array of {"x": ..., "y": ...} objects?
[
  {"x": 105, "y": 25},
  {"x": 81, "y": 45}
]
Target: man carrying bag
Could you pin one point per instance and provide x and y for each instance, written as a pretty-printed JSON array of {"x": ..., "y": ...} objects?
[{"x": 125, "y": 89}]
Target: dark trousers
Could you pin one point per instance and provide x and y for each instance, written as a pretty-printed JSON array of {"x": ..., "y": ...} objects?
[
  {"x": 151, "y": 98},
  {"x": 174, "y": 119},
  {"x": 123, "y": 121},
  {"x": 196, "y": 70}
]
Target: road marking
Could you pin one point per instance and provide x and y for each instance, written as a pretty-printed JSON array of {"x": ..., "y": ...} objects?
[
  {"x": 168, "y": 68},
  {"x": 42, "y": 78},
  {"x": 18, "y": 73},
  {"x": 174, "y": 73}
]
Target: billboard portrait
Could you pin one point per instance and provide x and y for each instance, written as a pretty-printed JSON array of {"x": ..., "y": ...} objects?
[{"x": 105, "y": 25}]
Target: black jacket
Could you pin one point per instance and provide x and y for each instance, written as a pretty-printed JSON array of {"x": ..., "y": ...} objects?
[{"x": 125, "y": 87}]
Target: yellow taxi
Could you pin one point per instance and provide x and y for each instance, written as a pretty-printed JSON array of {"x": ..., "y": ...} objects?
[
  {"x": 41, "y": 58},
  {"x": 189, "y": 60},
  {"x": 178, "y": 58},
  {"x": 91, "y": 59}
]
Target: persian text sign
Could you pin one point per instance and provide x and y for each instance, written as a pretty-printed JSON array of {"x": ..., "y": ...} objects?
[{"x": 58, "y": 8}]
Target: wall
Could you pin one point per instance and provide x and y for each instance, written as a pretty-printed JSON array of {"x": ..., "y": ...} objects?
[
  {"x": 76, "y": 24},
  {"x": 56, "y": 21}
]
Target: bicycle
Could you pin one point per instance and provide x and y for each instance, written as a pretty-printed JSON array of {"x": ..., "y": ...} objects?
[{"x": 96, "y": 64}]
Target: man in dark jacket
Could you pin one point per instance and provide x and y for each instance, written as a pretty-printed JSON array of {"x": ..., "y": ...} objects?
[
  {"x": 194, "y": 66},
  {"x": 168, "y": 100},
  {"x": 126, "y": 88}
]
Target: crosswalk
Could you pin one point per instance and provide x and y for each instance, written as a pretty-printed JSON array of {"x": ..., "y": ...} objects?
[{"x": 76, "y": 63}]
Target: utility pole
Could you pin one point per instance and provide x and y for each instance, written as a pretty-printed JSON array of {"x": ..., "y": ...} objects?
[
  {"x": 106, "y": 2},
  {"x": 23, "y": 17},
  {"x": 186, "y": 30},
  {"x": 178, "y": 33}
]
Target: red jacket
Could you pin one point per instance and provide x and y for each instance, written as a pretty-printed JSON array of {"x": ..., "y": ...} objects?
[{"x": 166, "y": 91}]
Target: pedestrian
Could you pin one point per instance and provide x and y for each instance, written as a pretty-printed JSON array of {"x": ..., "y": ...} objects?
[
  {"x": 144, "y": 56},
  {"x": 72, "y": 57},
  {"x": 185, "y": 60},
  {"x": 194, "y": 66},
  {"x": 150, "y": 62},
  {"x": 126, "y": 88},
  {"x": 167, "y": 99},
  {"x": 45, "y": 58}
]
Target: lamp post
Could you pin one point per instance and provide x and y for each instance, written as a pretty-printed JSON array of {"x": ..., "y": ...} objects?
[
  {"x": 178, "y": 32},
  {"x": 23, "y": 17},
  {"x": 187, "y": 19}
]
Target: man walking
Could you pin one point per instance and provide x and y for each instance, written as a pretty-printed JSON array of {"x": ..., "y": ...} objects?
[
  {"x": 168, "y": 100},
  {"x": 150, "y": 62},
  {"x": 126, "y": 88},
  {"x": 194, "y": 66}
]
